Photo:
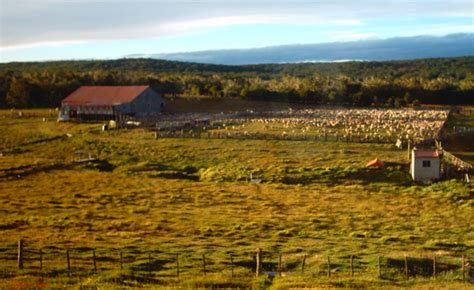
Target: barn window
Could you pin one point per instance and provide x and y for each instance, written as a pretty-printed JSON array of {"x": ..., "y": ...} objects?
[{"x": 426, "y": 163}]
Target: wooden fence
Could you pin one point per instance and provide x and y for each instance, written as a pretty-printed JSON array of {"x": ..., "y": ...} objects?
[
  {"x": 456, "y": 162},
  {"x": 151, "y": 264}
]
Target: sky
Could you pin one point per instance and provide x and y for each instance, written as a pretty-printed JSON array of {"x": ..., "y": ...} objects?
[{"x": 36, "y": 30}]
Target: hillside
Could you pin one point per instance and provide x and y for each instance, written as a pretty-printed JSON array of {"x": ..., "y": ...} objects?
[
  {"x": 391, "y": 83},
  {"x": 426, "y": 68}
]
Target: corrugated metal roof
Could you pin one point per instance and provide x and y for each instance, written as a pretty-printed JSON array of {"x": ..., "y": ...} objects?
[
  {"x": 424, "y": 153},
  {"x": 103, "y": 95}
]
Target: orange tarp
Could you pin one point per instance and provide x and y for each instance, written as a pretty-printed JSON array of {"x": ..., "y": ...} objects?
[{"x": 375, "y": 163}]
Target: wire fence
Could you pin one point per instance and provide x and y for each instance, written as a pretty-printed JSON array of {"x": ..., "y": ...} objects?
[{"x": 152, "y": 263}]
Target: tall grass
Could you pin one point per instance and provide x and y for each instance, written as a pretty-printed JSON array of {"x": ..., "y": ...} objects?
[{"x": 190, "y": 196}]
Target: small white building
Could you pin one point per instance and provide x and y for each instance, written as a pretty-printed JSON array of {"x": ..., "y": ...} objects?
[{"x": 425, "y": 165}]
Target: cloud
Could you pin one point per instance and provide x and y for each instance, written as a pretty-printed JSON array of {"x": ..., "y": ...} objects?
[
  {"x": 441, "y": 30},
  {"x": 351, "y": 35},
  {"x": 43, "y": 43},
  {"x": 26, "y": 23},
  {"x": 206, "y": 23}
]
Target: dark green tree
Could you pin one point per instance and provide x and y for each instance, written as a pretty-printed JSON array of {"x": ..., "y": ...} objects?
[{"x": 18, "y": 94}]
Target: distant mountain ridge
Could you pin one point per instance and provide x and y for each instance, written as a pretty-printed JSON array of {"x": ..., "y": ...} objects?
[
  {"x": 425, "y": 68},
  {"x": 399, "y": 48}
]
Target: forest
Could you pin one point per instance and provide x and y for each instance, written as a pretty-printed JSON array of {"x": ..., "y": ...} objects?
[{"x": 388, "y": 83}]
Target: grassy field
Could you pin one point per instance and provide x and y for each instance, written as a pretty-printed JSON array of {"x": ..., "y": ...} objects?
[{"x": 152, "y": 199}]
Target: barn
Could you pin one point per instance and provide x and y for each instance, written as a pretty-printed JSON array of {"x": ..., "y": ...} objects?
[
  {"x": 425, "y": 165},
  {"x": 110, "y": 103}
]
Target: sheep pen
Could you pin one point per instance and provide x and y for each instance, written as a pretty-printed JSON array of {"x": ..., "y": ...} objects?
[{"x": 339, "y": 124}]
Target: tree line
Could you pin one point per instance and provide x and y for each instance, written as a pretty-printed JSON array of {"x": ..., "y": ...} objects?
[{"x": 395, "y": 83}]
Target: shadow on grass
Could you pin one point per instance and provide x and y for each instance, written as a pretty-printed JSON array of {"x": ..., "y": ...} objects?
[
  {"x": 25, "y": 170},
  {"x": 100, "y": 165},
  {"x": 416, "y": 267},
  {"x": 153, "y": 265},
  {"x": 174, "y": 174},
  {"x": 395, "y": 173}
]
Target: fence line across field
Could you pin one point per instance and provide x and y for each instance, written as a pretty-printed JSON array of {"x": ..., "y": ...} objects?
[
  {"x": 185, "y": 134},
  {"x": 166, "y": 264}
]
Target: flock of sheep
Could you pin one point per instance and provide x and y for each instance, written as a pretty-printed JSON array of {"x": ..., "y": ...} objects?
[{"x": 363, "y": 124}]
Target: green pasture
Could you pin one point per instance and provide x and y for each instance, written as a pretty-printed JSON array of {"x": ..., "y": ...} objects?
[{"x": 153, "y": 199}]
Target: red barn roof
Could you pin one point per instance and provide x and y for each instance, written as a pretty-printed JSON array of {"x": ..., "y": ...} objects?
[
  {"x": 103, "y": 95},
  {"x": 426, "y": 153}
]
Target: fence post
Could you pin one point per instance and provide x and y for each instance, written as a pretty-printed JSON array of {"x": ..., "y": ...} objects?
[
  {"x": 329, "y": 267},
  {"x": 279, "y": 265},
  {"x": 406, "y": 267},
  {"x": 94, "y": 260},
  {"x": 20, "y": 254},
  {"x": 68, "y": 260},
  {"x": 434, "y": 266},
  {"x": 352, "y": 266},
  {"x": 121, "y": 261},
  {"x": 302, "y": 265},
  {"x": 379, "y": 267},
  {"x": 204, "y": 264},
  {"x": 177, "y": 265},
  {"x": 41, "y": 259},
  {"x": 149, "y": 263},
  {"x": 409, "y": 150},
  {"x": 258, "y": 262},
  {"x": 232, "y": 265}
]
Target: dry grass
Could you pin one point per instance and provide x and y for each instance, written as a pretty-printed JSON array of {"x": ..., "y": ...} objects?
[{"x": 189, "y": 196}]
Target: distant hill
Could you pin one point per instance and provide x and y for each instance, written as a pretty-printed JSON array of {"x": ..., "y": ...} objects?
[
  {"x": 391, "y": 83},
  {"x": 123, "y": 64},
  {"x": 400, "y": 48},
  {"x": 457, "y": 67}
]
